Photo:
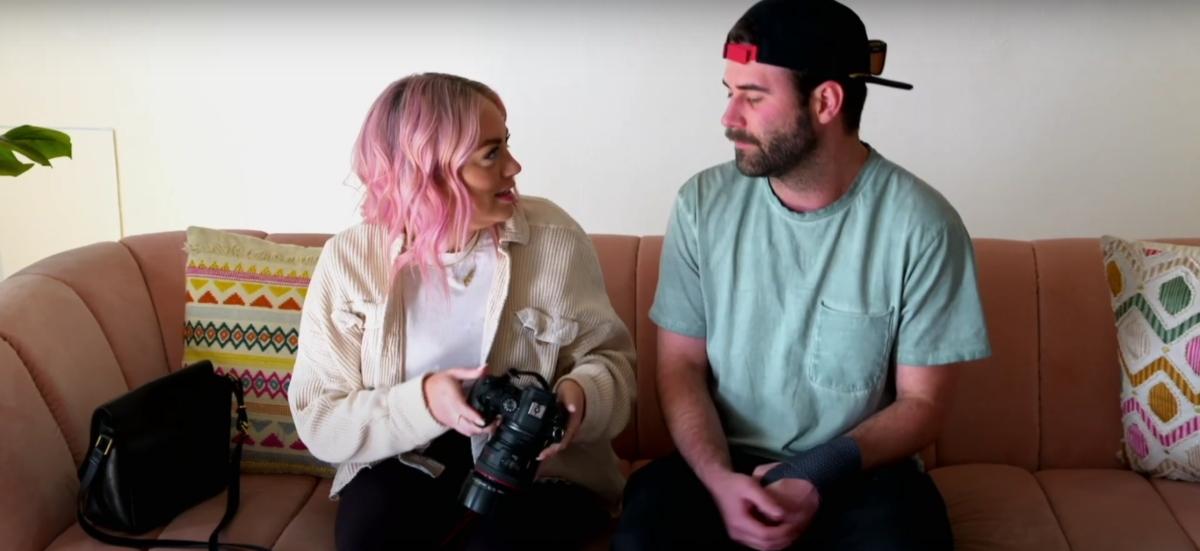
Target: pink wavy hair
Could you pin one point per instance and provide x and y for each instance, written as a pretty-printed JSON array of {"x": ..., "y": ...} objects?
[{"x": 418, "y": 135}]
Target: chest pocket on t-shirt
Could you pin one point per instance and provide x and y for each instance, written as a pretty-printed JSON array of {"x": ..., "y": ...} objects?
[{"x": 849, "y": 350}]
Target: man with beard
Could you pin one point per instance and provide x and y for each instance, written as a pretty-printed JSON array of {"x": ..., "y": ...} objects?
[{"x": 813, "y": 300}]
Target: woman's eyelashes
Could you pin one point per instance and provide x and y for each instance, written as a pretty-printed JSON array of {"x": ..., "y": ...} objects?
[{"x": 494, "y": 152}]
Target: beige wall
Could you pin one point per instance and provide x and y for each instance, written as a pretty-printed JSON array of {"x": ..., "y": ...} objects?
[{"x": 1037, "y": 119}]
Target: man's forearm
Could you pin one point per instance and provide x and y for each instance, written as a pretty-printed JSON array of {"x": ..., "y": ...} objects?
[
  {"x": 900, "y": 430},
  {"x": 692, "y": 419},
  {"x": 913, "y": 421},
  {"x": 896, "y": 432}
]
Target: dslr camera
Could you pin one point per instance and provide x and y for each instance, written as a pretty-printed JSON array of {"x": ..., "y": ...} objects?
[{"x": 530, "y": 420}]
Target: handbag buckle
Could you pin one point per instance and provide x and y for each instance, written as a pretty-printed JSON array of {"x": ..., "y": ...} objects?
[
  {"x": 243, "y": 424},
  {"x": 107, "y": 440}
]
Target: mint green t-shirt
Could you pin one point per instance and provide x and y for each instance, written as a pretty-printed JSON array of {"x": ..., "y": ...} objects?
[{"x": 806, "y": 315}]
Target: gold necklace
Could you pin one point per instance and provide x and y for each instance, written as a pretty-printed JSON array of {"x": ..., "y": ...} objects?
[{"x": 468, "y": 253}]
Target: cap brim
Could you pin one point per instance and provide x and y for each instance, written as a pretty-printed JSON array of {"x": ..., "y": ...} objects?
[{"x": 885, "y": 82}]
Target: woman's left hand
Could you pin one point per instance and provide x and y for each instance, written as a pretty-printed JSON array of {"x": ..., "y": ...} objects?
[{"x": 571, "y": 396}]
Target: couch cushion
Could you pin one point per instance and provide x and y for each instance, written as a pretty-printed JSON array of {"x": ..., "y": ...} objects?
[
  {"x": 65, "y": 350},
  {"x": 1080, "y": 378},
  {"x": 1102, "y": 509},
  {"x": 244, "y": 296},
  {"x": 1183, "y": 499},
  {"x": 109, "y": 281},
  {"x": 997, "y": 507},
  {"x": 1156, "y": 300},
  {"x": 37, "y": 474},
  {"x": 269, "y": 503},
  {"x": 75, "y": 539},
  {"x": 618, "y": 261},
  {"x": 653, "y": 438},
  {"x": 994, "y": 414},
  {"x": 312, "y": 527}
]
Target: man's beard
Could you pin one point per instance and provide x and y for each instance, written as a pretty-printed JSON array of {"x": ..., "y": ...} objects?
[{"x": 781, "y": 154}]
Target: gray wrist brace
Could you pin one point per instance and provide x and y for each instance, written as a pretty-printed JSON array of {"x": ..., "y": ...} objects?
[{"x": 822, "y": 465}]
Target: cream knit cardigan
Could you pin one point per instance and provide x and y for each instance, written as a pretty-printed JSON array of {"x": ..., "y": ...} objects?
[{"x": 547, "y": 311}]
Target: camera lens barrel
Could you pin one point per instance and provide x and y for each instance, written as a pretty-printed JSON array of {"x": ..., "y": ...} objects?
[{"x": 530, "y": 420}]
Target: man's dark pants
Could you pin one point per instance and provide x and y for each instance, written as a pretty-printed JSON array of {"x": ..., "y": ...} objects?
[{"x": 896, "y": 507}]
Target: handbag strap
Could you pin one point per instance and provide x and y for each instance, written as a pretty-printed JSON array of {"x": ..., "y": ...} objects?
[{"x": 99, "y": 455}]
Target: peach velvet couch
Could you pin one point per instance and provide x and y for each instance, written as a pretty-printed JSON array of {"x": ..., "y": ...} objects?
[{"x": 1027, "y": 461}]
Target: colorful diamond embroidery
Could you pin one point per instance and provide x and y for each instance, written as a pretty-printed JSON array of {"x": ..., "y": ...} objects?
[{"x": 246, "y": 295}]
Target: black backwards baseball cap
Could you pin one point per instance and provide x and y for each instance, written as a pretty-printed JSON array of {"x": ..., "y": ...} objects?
[{"x": 817, "y": 37}]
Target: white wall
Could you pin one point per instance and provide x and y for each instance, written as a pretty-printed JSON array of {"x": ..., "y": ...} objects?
[
  {"x": 1037, "y": 119},
  {"x": 81, "y": 192}
]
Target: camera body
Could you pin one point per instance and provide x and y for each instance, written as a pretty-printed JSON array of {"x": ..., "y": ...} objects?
[{"x": 530, "y": 420}]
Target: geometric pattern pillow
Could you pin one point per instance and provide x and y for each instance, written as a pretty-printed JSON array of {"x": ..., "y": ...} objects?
[
  {"x": 1156, "y": 298},
  {"x": 244, "y": 296}
]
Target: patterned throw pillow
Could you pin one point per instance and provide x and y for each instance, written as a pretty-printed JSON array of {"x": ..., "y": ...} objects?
[
  {"x": 244, "y": 296},
  {"x": 1156, "y": 297}
]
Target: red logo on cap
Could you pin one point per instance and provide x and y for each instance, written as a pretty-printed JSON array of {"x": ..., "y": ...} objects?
[{"x": 741, "y": 53}]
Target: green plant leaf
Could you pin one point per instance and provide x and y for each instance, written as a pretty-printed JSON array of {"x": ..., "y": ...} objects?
[
  {"x": 9, "y": 165},
  {"x": 39, "y": 144}
]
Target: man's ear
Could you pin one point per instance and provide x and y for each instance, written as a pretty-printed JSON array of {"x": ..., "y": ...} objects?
[{"x": 826, "y": 101}]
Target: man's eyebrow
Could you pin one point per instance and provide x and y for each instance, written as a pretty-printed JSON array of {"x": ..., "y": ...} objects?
[{"x": 749, "y": 87}]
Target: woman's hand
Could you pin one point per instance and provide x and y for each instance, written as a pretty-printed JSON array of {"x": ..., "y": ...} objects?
[
  {"x": 571, "y": 396},
  {"x": 445, "y": 399}
]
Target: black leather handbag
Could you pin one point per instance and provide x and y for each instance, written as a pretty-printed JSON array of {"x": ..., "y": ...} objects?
[{"x": 159, "y": 450}]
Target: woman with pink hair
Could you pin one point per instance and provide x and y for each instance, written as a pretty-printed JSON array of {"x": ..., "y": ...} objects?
[{"x": 451, "y": 277}]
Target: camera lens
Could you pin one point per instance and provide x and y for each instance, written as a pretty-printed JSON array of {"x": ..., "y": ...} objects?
[
  {"x": 479, "y": 494},
  {"x": 530, "y": 420}
]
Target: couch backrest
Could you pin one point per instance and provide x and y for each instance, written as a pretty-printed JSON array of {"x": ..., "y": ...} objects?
[
  {"x": 996, "y": 413},
  {"x": 84, "y": 326},
  {"x": 76, "y": 330},
  {"x": 1047, "y": 398},
  {"x": 1080, "y": 377}
]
